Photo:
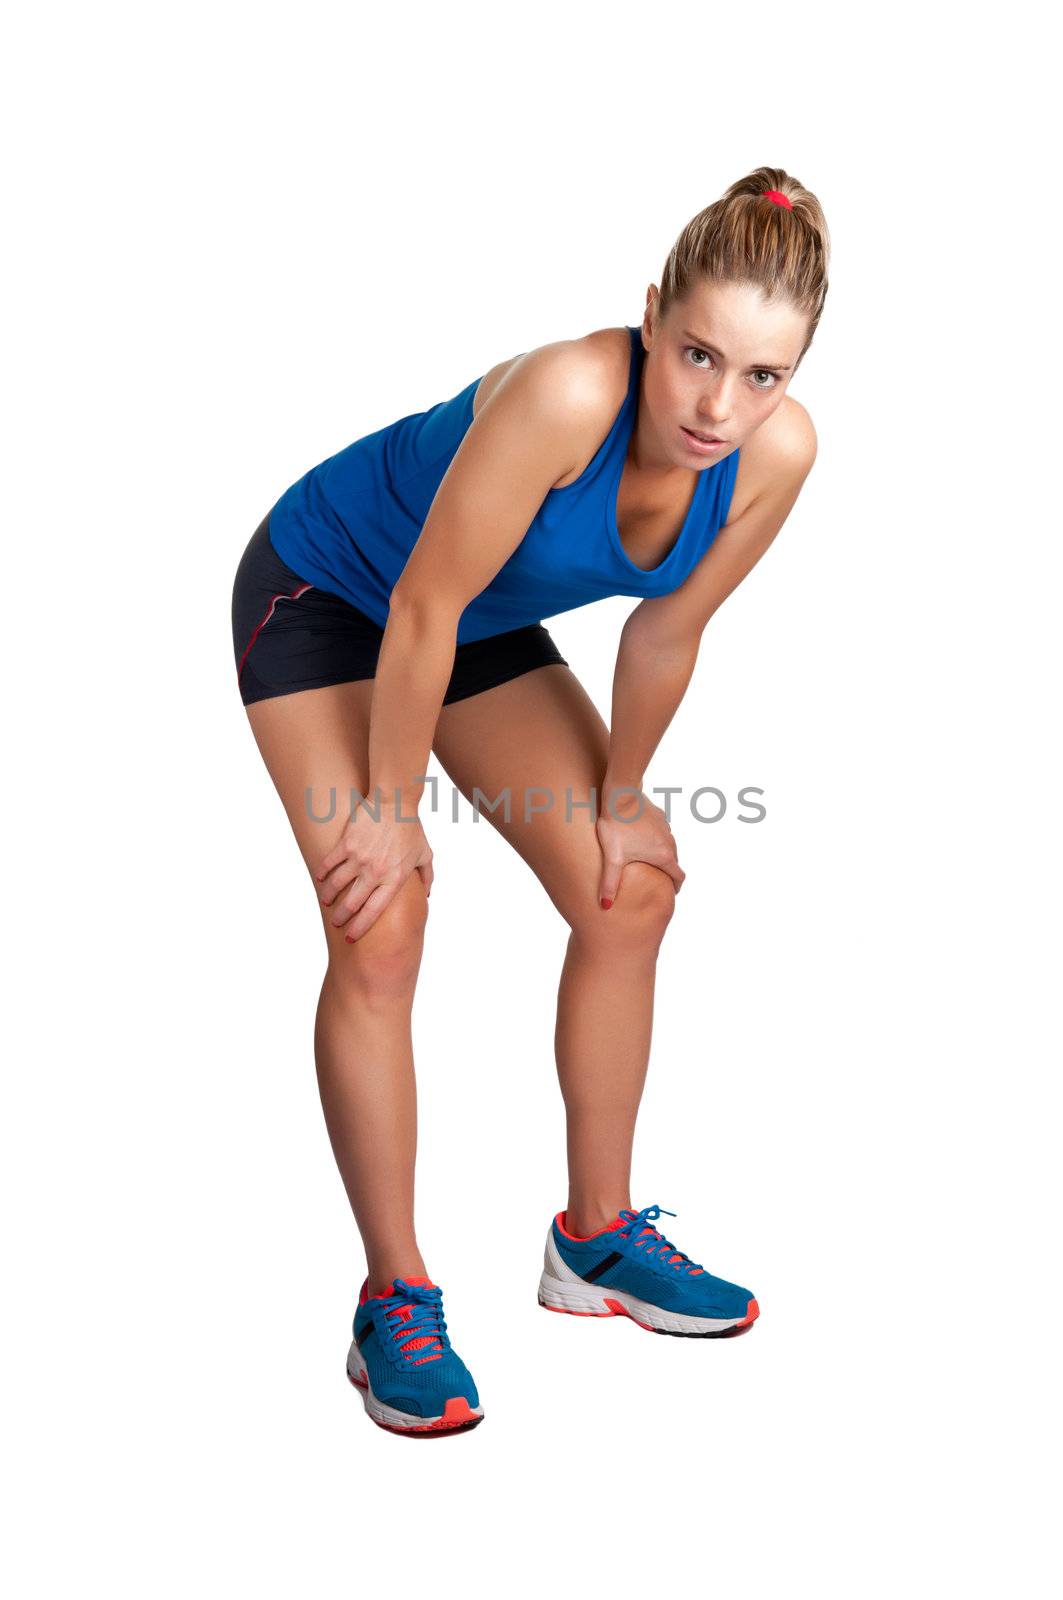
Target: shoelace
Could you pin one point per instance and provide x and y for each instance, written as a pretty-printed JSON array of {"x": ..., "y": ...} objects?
[
  {"x": 638, "y": 1228},
  {"x": 415, "y": 1316}
]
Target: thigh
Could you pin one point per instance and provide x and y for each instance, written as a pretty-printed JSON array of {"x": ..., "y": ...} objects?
[
  {"x": 541, "y": 734},
  {"x": 315, "y": 745}
]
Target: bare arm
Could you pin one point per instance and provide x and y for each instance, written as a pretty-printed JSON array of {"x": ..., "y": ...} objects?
[
  {"x": 517, "y": 448},
  {"x": 659, "y": 649},
  {"x": 523, "y": 440}
]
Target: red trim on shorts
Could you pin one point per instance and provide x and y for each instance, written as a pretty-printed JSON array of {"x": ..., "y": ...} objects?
[{"x": 272, "y": 607}]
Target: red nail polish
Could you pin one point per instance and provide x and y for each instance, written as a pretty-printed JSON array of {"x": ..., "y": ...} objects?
[{"x": 606, "y": 904}]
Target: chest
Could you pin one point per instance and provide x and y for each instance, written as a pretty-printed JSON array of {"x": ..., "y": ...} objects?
[{"x": 648, "y": 523}]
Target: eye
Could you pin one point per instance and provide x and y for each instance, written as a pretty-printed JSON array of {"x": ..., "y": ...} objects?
[
  {"x": 692, "y": 349},
  {"x": 763, "y": 372}
]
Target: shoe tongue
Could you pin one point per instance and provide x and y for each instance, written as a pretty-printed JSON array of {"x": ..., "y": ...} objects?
[
  {"x": 627, "y": 1216},
  {"x": 420, "y": 1283},
  {"x": 424, "y": 1341}
]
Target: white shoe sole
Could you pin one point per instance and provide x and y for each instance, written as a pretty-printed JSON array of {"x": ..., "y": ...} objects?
[{"x": 587, "y": 1301}]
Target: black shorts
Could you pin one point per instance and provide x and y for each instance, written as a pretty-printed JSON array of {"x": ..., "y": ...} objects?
[{"x": 290, "y": 635}]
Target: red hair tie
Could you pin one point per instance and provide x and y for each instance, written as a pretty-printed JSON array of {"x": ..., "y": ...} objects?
[{"x": 780, "y": 199}]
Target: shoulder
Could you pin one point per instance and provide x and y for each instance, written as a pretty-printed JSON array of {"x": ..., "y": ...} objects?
[
  {"x": 577, "y": 385},
  {"x": 779, "y": 455},
  {"x": 786, "y": 442},
  {"x": 581, "y": 376}
]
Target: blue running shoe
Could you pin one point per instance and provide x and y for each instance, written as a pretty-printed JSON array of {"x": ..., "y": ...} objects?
[
  {"x": 411, "y": 1377},
  {"x": 629, "y": 1269}
]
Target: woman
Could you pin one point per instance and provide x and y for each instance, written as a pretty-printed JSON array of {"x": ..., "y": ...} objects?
[{"x": 391, "y": 604}]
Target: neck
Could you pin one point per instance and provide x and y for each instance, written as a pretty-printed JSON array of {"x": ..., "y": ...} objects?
[{"x": 645, "y": 453}]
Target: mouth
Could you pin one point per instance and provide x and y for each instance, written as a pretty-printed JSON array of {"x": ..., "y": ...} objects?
[{"x": 703, "y": 438}]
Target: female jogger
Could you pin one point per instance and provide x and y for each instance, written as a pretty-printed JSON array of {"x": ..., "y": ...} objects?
[{"x": 391, "y": 604}]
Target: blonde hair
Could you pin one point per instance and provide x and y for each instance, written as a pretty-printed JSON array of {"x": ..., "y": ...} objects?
[{"x": 746, "y": 238}]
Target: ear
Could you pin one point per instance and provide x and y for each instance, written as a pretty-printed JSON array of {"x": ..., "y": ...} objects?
[{"x": 650, "y": 316}]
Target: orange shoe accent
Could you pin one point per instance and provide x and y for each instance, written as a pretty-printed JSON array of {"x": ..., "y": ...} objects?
[
  {"x": 620, "y": 1310},
  {"x": 403, "y": 1313},
  {"x": 458, "y": 1409},
  {"x": 457, "y": 1417},
  {"x": 581, "y": 1238},
  {"x": 363, "y": 1293},
  {"x": 565, "y": 1312}
]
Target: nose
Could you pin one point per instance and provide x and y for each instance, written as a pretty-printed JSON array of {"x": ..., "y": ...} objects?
[{"x": 717, "y": 403}]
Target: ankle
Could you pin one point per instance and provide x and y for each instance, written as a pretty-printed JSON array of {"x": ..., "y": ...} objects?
[
  {"x": 586, "y": 1218},
  {"x": 380, "y": 1276}
]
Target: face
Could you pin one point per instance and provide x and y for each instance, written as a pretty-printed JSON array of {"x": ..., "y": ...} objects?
[{"x": 718, "y": 364}]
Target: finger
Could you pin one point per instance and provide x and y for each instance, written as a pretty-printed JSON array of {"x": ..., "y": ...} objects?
[
  {"x": 353, "y": 901},
  {"x": 336, "y": 880},
  {"x": 675, "y": 872},
  {"x": 666, "y": 864},
  {"x": 609, "y": 883},
  {"x": 370, "y": 910},
  {"x": 337, "y": 854},
  {"x": 427, "y": 876}
]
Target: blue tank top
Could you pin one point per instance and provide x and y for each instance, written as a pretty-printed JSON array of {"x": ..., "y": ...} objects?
[{"x": 349, "y": 524}]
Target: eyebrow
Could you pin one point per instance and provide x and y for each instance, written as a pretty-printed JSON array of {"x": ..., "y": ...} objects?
[{"x": 758, "y": 366}]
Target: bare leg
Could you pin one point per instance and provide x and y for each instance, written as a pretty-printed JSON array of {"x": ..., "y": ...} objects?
[
  {"x": 542, "y": 729},
  {"x": 318, "y": 739},
  {"x": 364, "y": 1053},
  {"x": 602, "y": 1040}
]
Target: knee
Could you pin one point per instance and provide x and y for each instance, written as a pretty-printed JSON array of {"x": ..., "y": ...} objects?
[
  {"x": 384, "y": 961},
  {"x": 640, "y": 914}
]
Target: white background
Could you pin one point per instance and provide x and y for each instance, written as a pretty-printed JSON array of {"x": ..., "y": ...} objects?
[{"x": 241, "y": 236}]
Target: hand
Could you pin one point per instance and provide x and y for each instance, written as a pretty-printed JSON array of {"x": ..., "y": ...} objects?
[
  {"x": 364, "y": 872},
  {"x": 627, "y": 833}
]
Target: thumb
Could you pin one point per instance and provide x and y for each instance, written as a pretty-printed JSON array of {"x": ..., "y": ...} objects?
[{"x": 609, "y": 883}]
